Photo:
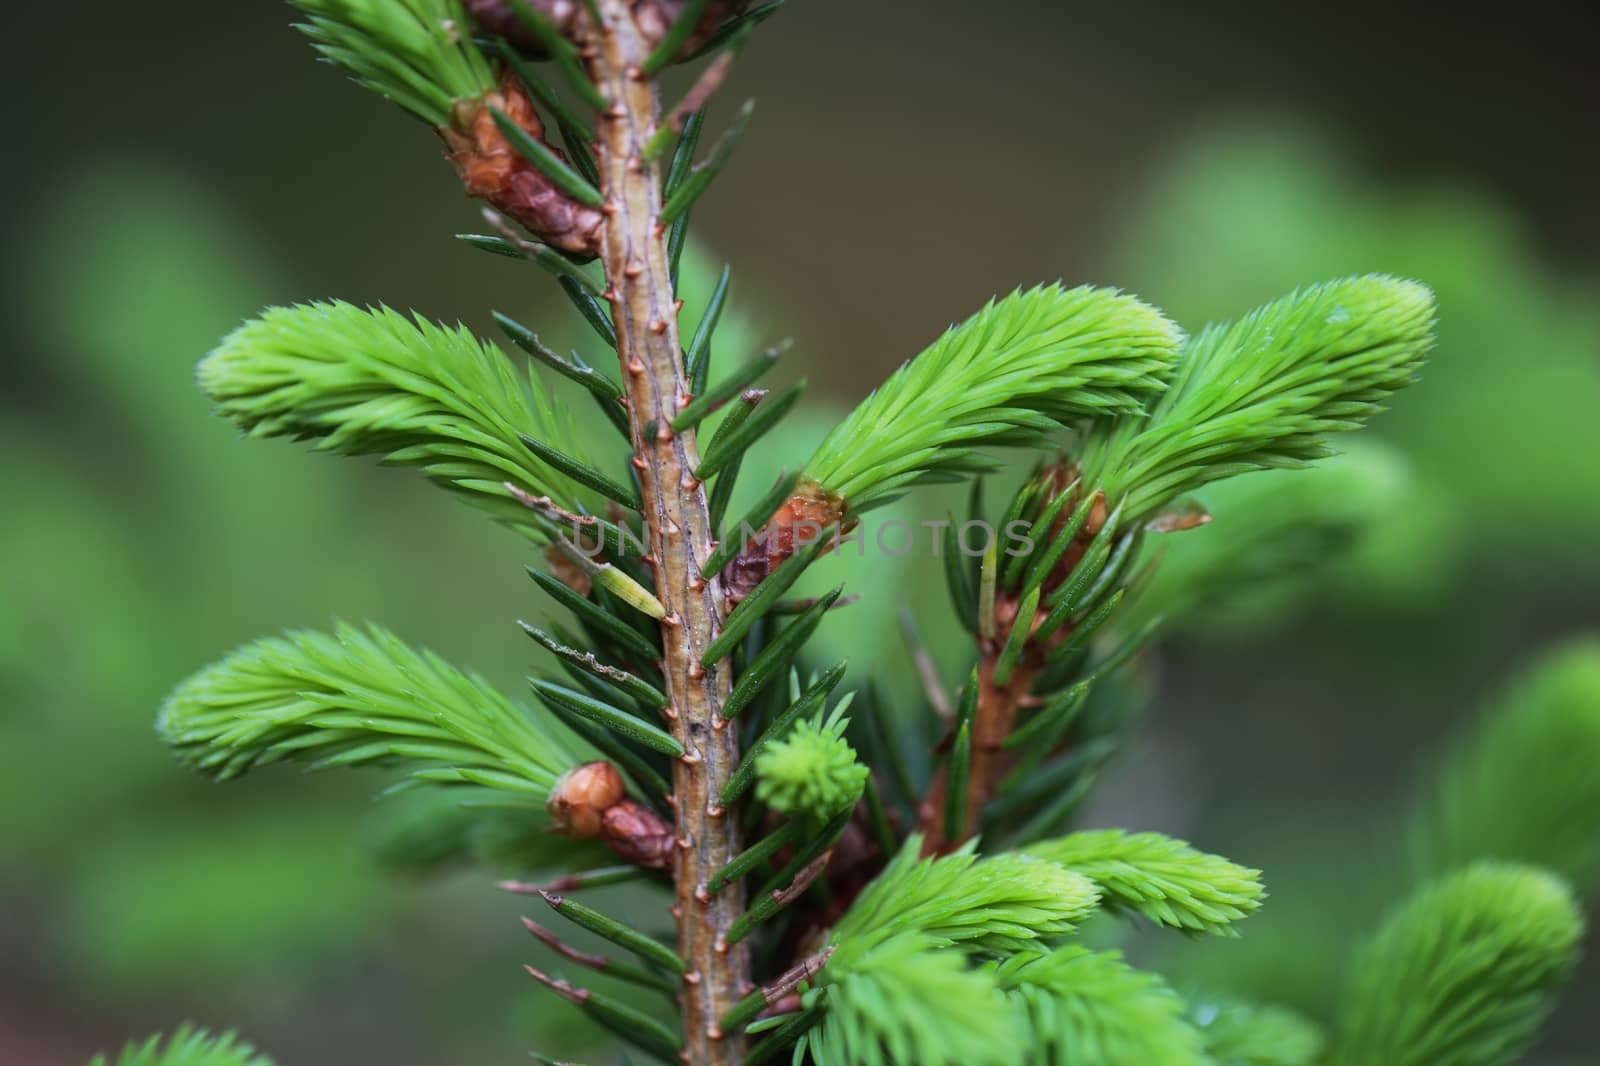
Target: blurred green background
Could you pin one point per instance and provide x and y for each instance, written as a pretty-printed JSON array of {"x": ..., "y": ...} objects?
[{"x": 175, "y": 167}]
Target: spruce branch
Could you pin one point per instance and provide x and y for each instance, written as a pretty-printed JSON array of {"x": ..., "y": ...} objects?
[
  {"x": 1161, "y": 878},
  {"x": 1462, "y": 974},
  {"x": 1022, "y": 367},
  {"x": 999, "y": 904},
  {"x": 188, "y": 1046},
  {"x": 1077, "y": 1007},
  {"x": 365, "y": 382},
  {"x": 644, "y": 312},
  {"x": 1261, "y": 393},
  {"x": 1267, "y": 390},
  {"x": 357, "y": 697},
  {"x": 859, "y": 943},
  {"x": 1019, "y": 368}
]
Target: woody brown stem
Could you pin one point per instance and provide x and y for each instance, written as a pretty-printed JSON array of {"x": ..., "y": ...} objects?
[
  {"x": 993, "y": 720},
  {"x": 644, "y": 310},
  {"x": 995, "y": 715}
]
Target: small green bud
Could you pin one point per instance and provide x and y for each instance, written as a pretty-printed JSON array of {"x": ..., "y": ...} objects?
[{"x": 813, "y": 771}]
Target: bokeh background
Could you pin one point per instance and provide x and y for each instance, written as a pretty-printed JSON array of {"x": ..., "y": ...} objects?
[{"x": 174, "y": 167}]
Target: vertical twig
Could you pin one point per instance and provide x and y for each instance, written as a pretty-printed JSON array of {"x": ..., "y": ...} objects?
[{"x": 645, "y": 313}]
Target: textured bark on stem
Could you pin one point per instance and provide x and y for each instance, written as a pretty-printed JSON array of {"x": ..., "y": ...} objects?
[
  {"x": 998, "y": 705},
  {"x": 992, "y": 722},
  {"x": 643, "y": 307}
]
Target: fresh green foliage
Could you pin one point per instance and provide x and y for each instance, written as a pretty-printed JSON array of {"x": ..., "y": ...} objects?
[
  {"x": 1265, "y": 391},
  {"x": 904, "y": 1001},
  {"x": 1163, "y": 879},
  {"x": 375, "y": 382},
  {"x": 351, "y": 698},
  {"x": 415, "y": 53},
  {"x": 1248, "y": 201},
  {"x": 800, "y": 883},
  {"x": 1010, "y": 374},
  {"x": 187, "y": 1047},
  {"x": 999, "y": 904},
  {"x": 813, "y": 772},
  {"x": 1241, "y": 1034},
  {"x": 1523, "y": 786},
  {"x": 1463, "y": 973},
  {"x": 1077, "y": 1007}
]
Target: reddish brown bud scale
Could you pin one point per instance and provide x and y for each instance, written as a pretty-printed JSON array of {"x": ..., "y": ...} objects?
[
  {"x": 639, "y": 835},
  {"x": 802, "y": 517},
  {"x": 492, "y": 170},
  {"x": 590, "y": 802},
  {"x": 581, "y": 798}
]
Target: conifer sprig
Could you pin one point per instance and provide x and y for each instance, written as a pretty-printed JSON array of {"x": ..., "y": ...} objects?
[
  {"x": 1266, "y": 391},
  {"x": 813, "y": 772},
  {"x": 863, "y": 951},
  {"x": 1247, "y": 1034},
  {"x": 1002, "y": 903},
  {"x": 1462, "y": 974},
  {"x": 416, "y": 53},
  {"x": 1077, "y": 1007},
  {"x": 187, "y": 1046},
  {"x": 357, "y": 697},
  {"x": 365, "y": 382},
  {"x": 1019, "y": 368},
  {"x": 1159, "y": 877},
  {"x": 904, "y": 1001}
]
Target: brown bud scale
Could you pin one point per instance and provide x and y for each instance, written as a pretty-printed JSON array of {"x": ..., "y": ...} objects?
[
  {"x": 580, "y": 800},
  {"x": 493, "y": 171},
  {"x": 638, "y": 835},
  {"x": 802, "y": 517}
]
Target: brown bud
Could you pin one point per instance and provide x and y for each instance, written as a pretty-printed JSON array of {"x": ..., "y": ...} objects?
[
  {"x": 579, "y": 802},
  {"x": 802, "y": 517},
  {"x": 638, "y": 835},
  {"x": 491, "y": 170}
]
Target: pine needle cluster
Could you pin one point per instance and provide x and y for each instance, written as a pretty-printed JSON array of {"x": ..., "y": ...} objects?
[
  {"x": 357, "y": 697},
  {"x": 1265, "y": 391},
  {"x": 187, "y": 1046},
  {"x": 1023, "y": 366},
  {"x": 417, "y": 54},
  {"x": 374, "y": 382}
]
